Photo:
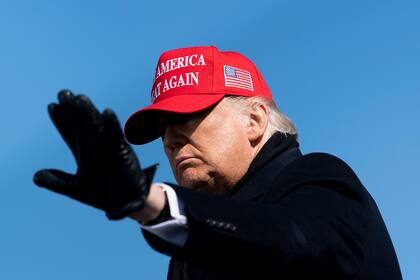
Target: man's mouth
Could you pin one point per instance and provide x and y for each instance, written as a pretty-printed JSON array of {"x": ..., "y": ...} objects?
[{"x": 183, "y": 159}]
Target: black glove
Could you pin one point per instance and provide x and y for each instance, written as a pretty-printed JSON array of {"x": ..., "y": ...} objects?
[{"x": 108, "y": 175}]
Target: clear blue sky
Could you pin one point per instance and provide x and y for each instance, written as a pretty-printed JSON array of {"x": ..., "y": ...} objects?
[{"x": 346, "y": 72}]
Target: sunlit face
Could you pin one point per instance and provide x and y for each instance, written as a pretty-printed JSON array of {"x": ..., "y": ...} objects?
[{"x": 209, "y": 151}]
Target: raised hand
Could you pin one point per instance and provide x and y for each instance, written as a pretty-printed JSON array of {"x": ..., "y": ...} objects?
[{"x": 109, "y": 176}]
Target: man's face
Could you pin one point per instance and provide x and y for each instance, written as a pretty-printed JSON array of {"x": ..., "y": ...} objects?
[{"x": 210, "y": 150}]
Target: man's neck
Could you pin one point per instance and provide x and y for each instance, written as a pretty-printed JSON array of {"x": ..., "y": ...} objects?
[{"x": 277, "y": 144}]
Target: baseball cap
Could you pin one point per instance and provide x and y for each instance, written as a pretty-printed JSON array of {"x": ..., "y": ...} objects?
[{"x": 189, "y": 80}]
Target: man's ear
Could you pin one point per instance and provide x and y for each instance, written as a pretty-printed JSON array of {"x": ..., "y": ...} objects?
[{"x": 258, "y": 122}]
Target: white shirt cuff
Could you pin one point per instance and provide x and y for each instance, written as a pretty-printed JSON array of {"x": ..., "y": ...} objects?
[{"x": 174, "y": 230}]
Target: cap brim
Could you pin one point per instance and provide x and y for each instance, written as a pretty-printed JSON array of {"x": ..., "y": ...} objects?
[{"x": 145, "y": 125}]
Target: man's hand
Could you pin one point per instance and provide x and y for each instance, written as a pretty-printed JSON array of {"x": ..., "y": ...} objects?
[{"x": 108, "y": 175}]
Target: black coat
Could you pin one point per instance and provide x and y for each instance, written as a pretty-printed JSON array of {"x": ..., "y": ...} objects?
[{"x": 289, "y": 217}]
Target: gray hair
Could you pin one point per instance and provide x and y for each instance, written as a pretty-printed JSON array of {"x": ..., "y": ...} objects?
[{"x": 277, "y": 121}]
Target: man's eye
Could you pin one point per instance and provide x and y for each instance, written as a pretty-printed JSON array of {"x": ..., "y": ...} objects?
[{"x": 167, "y": 146}]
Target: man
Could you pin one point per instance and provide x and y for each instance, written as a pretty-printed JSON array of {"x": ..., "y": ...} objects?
[{"x": 249, "y": 205}]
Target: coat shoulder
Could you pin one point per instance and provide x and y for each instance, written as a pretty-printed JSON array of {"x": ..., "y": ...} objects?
[
  {"x": 321, "y": 166},
  {"x": 320, "y": 169}
]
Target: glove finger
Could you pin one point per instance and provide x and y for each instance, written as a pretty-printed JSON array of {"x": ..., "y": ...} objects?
[
  {"x": 88, "y": 115},
  {"x": 86, "y": 120},
  {"x": 67, "y": 103},
  {"x": 55, "y": 180},
  {"x": 80, "y": 109},
  {"x": 112, "y": 126},
  {"x": 65, "y": 95},
  {"x": 122, "y": 156},
  {"x": 64, "y": 125}
]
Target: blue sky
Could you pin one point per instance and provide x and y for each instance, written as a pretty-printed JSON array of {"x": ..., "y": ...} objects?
[{"x": 346, "y": 72}]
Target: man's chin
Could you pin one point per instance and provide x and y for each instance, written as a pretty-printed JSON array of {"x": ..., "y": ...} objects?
[
  {"x": 193, "y": 185},
  {"x": 196, "y": 184}
]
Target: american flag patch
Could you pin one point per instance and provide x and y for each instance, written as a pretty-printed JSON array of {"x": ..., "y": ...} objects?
[{"x": 235, "y": 77}]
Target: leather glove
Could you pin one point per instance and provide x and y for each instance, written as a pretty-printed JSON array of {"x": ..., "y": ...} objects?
[{"x": 108, "y": 175}]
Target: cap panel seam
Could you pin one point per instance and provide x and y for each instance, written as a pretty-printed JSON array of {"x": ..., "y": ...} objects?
[{"x": 214, "y": 72}]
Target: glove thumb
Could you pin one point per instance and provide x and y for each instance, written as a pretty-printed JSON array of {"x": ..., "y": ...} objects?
[{"x": 55, "y": 180}]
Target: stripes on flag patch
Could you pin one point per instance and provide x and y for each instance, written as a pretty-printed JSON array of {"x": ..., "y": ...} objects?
[{"x": 235, "y": 77}]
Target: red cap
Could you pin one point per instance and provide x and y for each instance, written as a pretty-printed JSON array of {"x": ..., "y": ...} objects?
[{"x": 189, "y": 80}]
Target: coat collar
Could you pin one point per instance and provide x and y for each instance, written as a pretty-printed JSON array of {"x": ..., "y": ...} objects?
[{"x": 276, "y": 153}]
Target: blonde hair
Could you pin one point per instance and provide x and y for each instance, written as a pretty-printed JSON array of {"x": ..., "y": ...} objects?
[{"x": 277, "y": 121}]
